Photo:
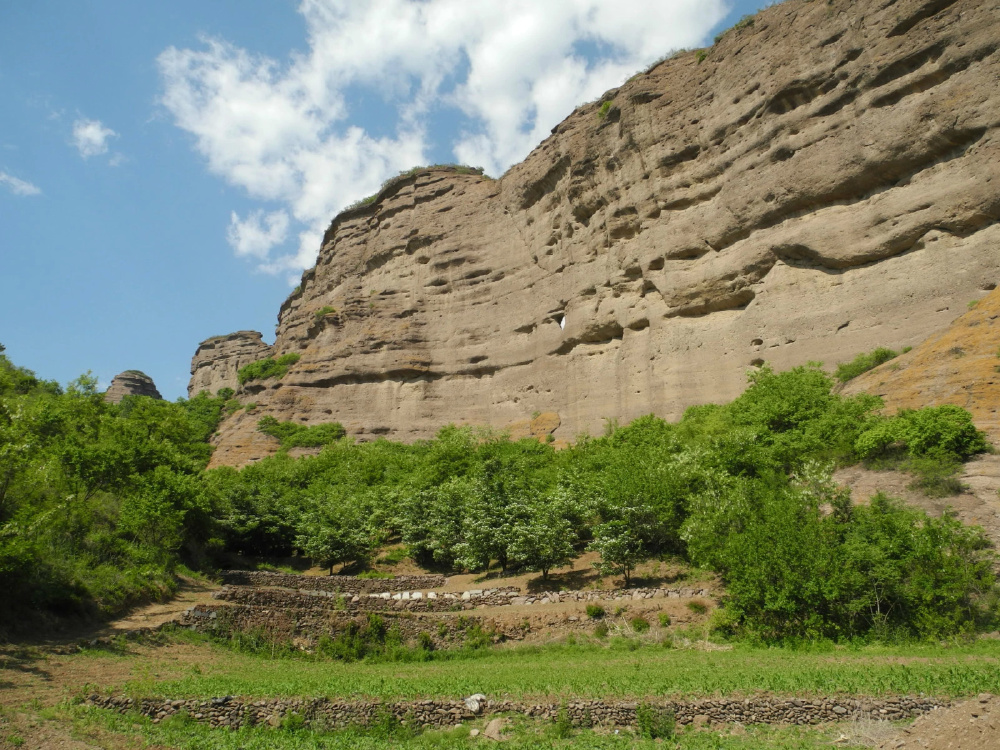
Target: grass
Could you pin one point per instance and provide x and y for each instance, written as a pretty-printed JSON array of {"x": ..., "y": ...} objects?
[{"x": 624, "y": 668}]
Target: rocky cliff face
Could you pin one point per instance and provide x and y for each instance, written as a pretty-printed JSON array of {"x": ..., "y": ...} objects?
[
  {"x": 822, "y": 182},
  {"x": 131, "y": 383},
  {"x": 216, "y": 362}
]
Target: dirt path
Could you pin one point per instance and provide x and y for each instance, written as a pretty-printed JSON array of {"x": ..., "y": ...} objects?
[
  {"x": 34, "y": 678},
  {"x": 971, "y": 725},
  {"x": 189, "y": 592}
]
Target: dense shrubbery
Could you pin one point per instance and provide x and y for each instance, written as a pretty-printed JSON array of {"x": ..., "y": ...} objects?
[
  {"x": 294, "y": 435},
  {"x": 269, "y": 367},
  {"x": 99, "y": 502}
]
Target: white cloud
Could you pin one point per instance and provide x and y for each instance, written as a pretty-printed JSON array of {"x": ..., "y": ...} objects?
[
  {"x": 18, "y": 187},
  {"x": 258, "y": 233},
  {"x": 508, "y": 72},
  {"x": 91, "y": 137}
]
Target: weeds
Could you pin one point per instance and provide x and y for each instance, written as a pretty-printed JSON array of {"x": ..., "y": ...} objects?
[{"x": 655, "y": 723}]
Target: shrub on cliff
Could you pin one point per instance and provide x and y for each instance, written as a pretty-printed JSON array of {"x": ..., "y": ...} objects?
[
  {"x": 292, "y": 434},
  {"x": 864, "y": 362},
  {"x": 268, "y": 367}
]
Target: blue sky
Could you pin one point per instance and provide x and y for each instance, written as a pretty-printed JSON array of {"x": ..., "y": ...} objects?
[{"x": 166, "y": 168}]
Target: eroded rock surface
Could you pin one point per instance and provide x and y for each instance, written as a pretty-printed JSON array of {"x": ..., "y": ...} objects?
[
  {"x": 822, "y": 183},
  {"x": 131, "y": 383},
  {"x": 216, "y": 362}
]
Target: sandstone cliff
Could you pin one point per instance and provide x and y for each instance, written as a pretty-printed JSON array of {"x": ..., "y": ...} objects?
[
  {"x": 131, "y": 383},
  {"x": 820, "y": 183},
  {"x": 217, "y": 361}
]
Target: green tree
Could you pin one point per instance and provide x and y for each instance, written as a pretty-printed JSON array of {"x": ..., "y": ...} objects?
[
  {"x": 619, "y": 542},
  {"x": 334, "y": 532},
  {"x": 542, "y": 541}
]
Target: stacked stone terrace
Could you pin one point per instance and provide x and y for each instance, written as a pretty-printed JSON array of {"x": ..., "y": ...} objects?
[{"x": 296, "y": 607}]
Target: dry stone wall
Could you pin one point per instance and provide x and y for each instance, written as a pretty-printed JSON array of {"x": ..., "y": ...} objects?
[
  {"x": 415, "y": 601},
  {"x": 821, "y": 183},
  {"x": 282, "y": 624},
  {"x": 336, "y": 584},
  {"x": 233, "y": 713}
]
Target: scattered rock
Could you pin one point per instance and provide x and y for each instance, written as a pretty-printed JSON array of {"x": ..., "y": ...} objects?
[
  {"x": 494, "y": 729},
  {"x": 475, "y": 702}
]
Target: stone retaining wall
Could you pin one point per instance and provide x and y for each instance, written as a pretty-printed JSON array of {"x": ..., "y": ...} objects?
[
  {"x": 328, "y": 714},
  {"x": 616, "y": 595},
  {"x": 415, "y": 601},
  {"x": 305, "y": 626},
  {"x": 345, "y": 584},
  {"x": 430, "y": 601}
]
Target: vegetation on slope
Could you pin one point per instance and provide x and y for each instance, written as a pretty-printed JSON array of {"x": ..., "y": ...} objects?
[
  {"x": 99, "y": 503},
  {"x": 865, "y": 362},
  {"x": 269, "y": 367}
]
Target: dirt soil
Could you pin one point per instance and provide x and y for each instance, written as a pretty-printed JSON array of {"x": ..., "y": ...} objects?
[
  {"x": 978, "y": 505},
  {"x": 971, "y": 725}
]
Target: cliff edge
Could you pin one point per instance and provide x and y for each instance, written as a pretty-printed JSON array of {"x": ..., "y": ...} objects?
[{"x": 820, "y": 182}]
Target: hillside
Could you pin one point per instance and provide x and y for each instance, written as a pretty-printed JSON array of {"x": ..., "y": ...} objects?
[
  {"x": 816, "y": 184},
  {"x": 960, "y": 366}
]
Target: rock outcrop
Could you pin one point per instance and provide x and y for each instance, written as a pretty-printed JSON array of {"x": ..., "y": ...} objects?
[
  {"x": 216, "y": 363},
  {"x": 822, "y": 181},
  {"x": 131, "y": 383}
]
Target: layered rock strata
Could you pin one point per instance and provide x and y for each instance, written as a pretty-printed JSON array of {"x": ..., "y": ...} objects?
[
  {"x": 131, "y": 383},
  {"x": 217, "y": 361},
  {"x": 820, "y": 182}
]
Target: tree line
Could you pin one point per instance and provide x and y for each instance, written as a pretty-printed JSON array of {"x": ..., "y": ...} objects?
[{"x": 100, "y": 503}]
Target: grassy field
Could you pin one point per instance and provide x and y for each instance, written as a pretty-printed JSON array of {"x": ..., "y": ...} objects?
[
  {"x": 620, "y": 669},
  {"x": 39, "y": 695}
]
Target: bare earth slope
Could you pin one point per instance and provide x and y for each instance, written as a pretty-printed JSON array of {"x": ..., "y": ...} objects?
[
  {"x": 960, "y": 366},
  {"x": 823, "y": 182}
]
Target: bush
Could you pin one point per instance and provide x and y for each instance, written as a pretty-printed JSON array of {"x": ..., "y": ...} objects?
[
  {"x": 267, "y": 368},
  {"x": 639, "y": 624},
  {"x": 944, "y": 433},
  {"x": 595, "y": 611},
  {"x": 654, "y": 723},
  {"x": 863, "y": 363},
  {"x": 601, "y": 631},
  {"x": 294, "y": 435},
  {"x": 664, "y": 619},
  {"x": 562, "y": 728},
  {"x": 604, "y": 109},
  {"x": 697, "y": 606}
]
